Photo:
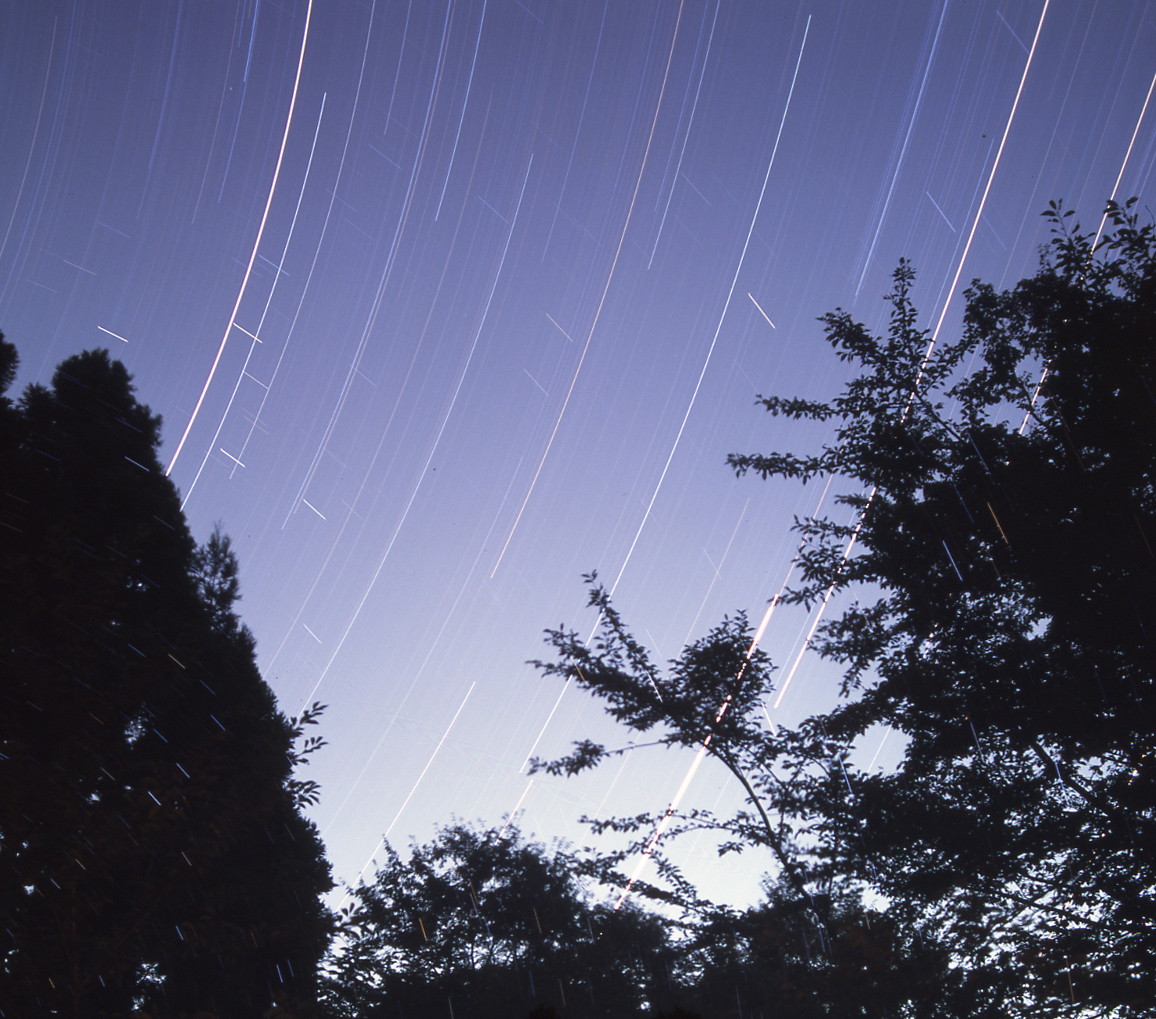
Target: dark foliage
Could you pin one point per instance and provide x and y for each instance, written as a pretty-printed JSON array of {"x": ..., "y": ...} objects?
[
  {"x": 775, "y": 960},
  {"x": 153, "y": 857},
  {"x": 1005, "y": 492},
  {"x": 1008, "y": 531},
  {"x": 711, "y": 698},
  {"x": 489, "y": 925},
  {"x": 812, "y": 949}
]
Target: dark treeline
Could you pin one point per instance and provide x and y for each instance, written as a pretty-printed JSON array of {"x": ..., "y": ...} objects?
[
  {"x": 994, "y": 589},
  {"x": 481, "y": 924}
]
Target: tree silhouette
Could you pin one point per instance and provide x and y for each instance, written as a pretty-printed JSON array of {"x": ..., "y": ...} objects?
[
  {"x": 489, "y": 925},
  {"x": 999, "y": 589},
  {"x": 1006, "y": 529},
  {"x": 153, "y": 856}
]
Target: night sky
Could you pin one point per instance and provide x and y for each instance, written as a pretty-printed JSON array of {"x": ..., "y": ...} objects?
[{"x": 462, "y": 300}]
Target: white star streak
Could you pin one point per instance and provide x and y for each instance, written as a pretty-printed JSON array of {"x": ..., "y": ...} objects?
[
  {"x": 264, "y": 312},
  {"x": 990, "y": 178},
  {"x": 665, "y": 822},
  {"x": 256, "y": 245},
  {"x": 465, "y": 103},
  {"x": 903, "y": 152},
  {"x": 722, "y": 317},
  {"x": 674, "y": 803},
  {"x": 601, "y": 302},
  {"x": 761, "y": 312},
  {"x": 433, "y": 448},
  {"x": 686, "y": 136},
  {"x": 926, "y": 356},
  {"x": 387, "y": 271},
  {"x": 1127, "y": 154},
  {"x": 111, "y": 333},
  {"x": 32, "y": 145},
  {"x": 401, "y": 810},
  {"x": 698, "y": 384}
]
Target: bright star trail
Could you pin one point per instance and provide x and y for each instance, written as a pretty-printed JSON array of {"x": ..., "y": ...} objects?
[{"x": 438, "y": 303}]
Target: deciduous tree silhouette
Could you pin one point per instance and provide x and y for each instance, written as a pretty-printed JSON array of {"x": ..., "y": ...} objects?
[
  {"x": 493, "y": 926},
  {"x": 1004, "y": 496}
]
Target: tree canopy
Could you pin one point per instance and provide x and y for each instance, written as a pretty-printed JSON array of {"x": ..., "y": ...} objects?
[
  {"x": 480, "y": 923},
  {"x": 999, "y": 585},
  {"x": 154, "y": 859}
]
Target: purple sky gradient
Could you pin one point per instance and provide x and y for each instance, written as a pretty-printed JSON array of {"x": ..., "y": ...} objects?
[{"x": 500, "y": 327}]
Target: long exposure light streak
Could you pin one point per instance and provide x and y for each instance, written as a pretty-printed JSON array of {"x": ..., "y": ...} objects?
[
  {"x": 676, "y": 801},
  {"x": 686, "y": 136},
  {"x": 433, "y": 447},
  {"x": 413, "y": 790},
  {"x": 699, "y": 757},
  {"x": 1095, "y": 240},
  {"x": 115, "y": 336},
  {"x": 329, "y": 208},
  {"x": 517, "y": 806},
  {"x": 697, "y": 385},
  {"x": 256, "y": 244},
  {"x": 674, "y": 804},
  {"x": 461, "y": 119},
  {"x": 761, "y": 312},
  {"x": 451, "y": 615},
  {"x": 1120, "y": 175},
  {"x": 385, "y": 431},
  {"x": 715, "y": 576},
  {"x": 577, "y": 133},
  {"x": 823, "y": 605},
  {"x": 987, "y": 188},
  {"x": 664, "y": 823},
  {"x": 255, "y": 336},
  {"x": 31, "y": 145},
  {"x": 386, "y": 273},
  {"x": 141, "y": 161},
  {"x": 601, "y": 302},
  {"x": 870, "y": 256},
  {"x": 927, "y": 355},
  {"x": 722, "y": 316}
]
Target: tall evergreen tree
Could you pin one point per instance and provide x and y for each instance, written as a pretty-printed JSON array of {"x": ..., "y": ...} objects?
[{"x": 153, "y": 854}]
